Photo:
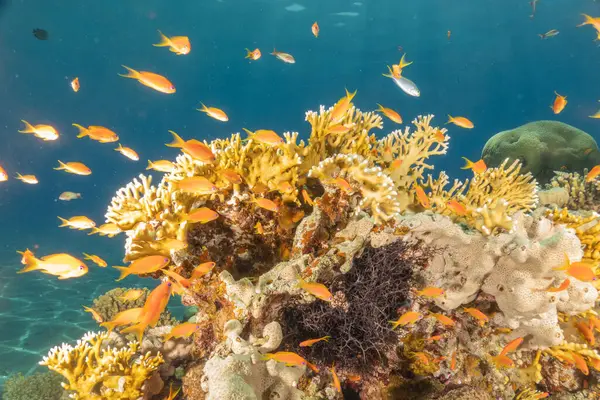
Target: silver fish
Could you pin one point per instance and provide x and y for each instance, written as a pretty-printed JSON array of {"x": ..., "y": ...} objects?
[{"x": 407, "y": 86}]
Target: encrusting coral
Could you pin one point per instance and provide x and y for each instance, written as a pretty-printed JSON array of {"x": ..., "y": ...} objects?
[{"x": 96, "y": 373}]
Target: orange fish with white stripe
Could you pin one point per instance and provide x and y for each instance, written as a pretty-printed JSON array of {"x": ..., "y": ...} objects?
[
  {"x": 128, "y": 152},
  {"x": 179, "y": 45},
  {"x": 285, "y": 57},
  {"x": 63, "y": 265},
  {"x": 97, "y": 133},
  {"x": 79, "y": 222},
  {"x": 74, "y": 167},
  {"x": 214, "y": 112},
  {"x": 30, "y": 179},
  {"x": 165, "y": 166},
  {"x": 95, "y": 259},
  {"x": 44, "y": 132},
  {"x": 196, "y": 185},
  {"x": 193, "y": 148},
  {"x": 110, "y": 230},
  {"x": 151, "y": 80},
  {"x": 265, "y": 136}
]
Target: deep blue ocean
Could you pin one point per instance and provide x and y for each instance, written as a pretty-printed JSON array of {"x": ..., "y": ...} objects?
[{"x": 494, "y": 69}]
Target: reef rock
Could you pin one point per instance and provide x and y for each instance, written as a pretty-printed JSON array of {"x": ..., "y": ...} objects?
[{"x": 543, "y": 147}]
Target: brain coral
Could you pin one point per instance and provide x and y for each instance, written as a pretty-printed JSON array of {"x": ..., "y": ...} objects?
[{"x": 543, "y": 147}]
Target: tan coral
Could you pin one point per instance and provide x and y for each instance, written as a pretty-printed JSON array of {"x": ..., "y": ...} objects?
[
  {"x": 586, "y": 228},
  {"x": 582, "y": 195}
]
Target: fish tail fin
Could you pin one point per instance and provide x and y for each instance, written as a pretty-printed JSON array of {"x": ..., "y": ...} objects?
[
  {"x": 164, "y": 41},
  {"x": 137, "y": 329},
  {"x": 177, "y": 140},
  {"x": 395, "y": 324},
  {"x": 30, "y": 261},
  {"x": 108, "y": 325},
  {"x": 124, "y": 272},
  {"x": 150, "y": 165},
  {"x": 94, "y": 231},
  {"x": 19, "y": 176},
  {"x": 87, "y": 256},
  {"x": 119, "y": 148},
  {"x": 403, "y": 63},
  {"x": 349, "y": 95},
  {"x": 541, "y": 35},
  {"x": 565, "y": 264},
  {"x": 28, "y": 127},
  {"x": 204, "y": 108},
  {"x": 248, "y": 53},
  {"x": 274, "y": 51},
  {"x": 391, "y": 73},
  {"x": 450, "y": 119},
  {"x": 468, "y": 163},
  {"x": 250, "y": 134},
  {"x": 82, "y": 131},
  {"x": 131, "y": 73},
  {"x": 64, "y": 222},
  {"x": 588, "y": 20},
  {"x": 61, "y": 166}
]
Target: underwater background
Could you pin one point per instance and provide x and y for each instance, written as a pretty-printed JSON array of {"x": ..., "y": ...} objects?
[{"x": 494, "y": 69}]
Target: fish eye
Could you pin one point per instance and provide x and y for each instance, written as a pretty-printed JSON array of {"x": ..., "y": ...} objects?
[
  {"x": 81, "y": 267},
  {"x": 169, "y": 284}
]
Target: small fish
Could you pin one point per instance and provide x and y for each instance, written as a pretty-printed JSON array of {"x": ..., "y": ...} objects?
[
  {"x": 40, "y": 34},
  {"x": 194, "y": 148},
  {"x": 478, "y": 315},
  {"x": 75, "y": 85},
  {"x": 453, "y": 361},
  {"x": 30, "y": 179},
  {"x": 580, "y": 363},
  {"x": 68, "y": 196},
  {"x": 586, "y": 332},
  {"x": 131, "y": 295},
  {"x": 97, "y": 133},
  {"x": 563, "y": 286},
  {"x": 231, "y": 176},
  {"x": 172, "y": 244},
  {"x": 151, "y": 80},
  {"x": 97, "y": 317},
  {"x": 439, "y": 136},
  {"x": 126, "y": 317},
  {"x": 318, "y": 290},
  {"x": 214, "y": 112},
  {"x": 183, "y": 330},
  {"x": 336, "y": 380},
  {"x": 285, "y": 57},
  {"x": 477, "y": 167},
  {"x": 595, "y": 323},
  {"x": 343, "y": 184},
  {"x": 307, "y": 198},
  {"x": 391, "y": 114},
  {"x": 202, "y": 270},
  {"x": 353, "y": 378},
  {"x": 409, "y": 317},
  {"x": 310, "y": 342},
  {"x": 285, "y": 187},
  {"x": 201, "y": 215},
  {"x": 74, "y": 167},
  {"x": 179, "y": 45},
  {"x": 443, "y": 319},
  {"x": 457, "y": 207},
  {"x": 595, "y": 22},
  {"x": 460, "y": 121},
  {"x": 144, "y": 265},
  {"x": 593, "y": 174},
  {"x": 502, "y": 361},
  {"x": 315, "y": 29},
  {"x": 127, "y": 152},
  {"x": 253, "y": 54},
  {"x": 287, "y": 357},
  {"x": 63, "y": 265},
  {"x": 431, "y": 292},
  {"x": 265, "y": 136},
  {"x": 434, "y": 338},
  {"x": 172, "y": 394},
  {"x": 259, "y": 228},
  {"x": 266, "y": 204},
  {"x": 422, "y": 357},
  {"x": 405, "y": 84},
  {"x": 511, "y": 346},
  {"x": 110, "y": 230},
  {"x": 180, "y": 284},
  {"x": 549, "y": 34},
  {"x": 155, "y": 304},
  {"x": 577, "y": 270},
  {"x": 339, "y": 129},
  {"x": 559, "y": 104},
  {"x": 79, "y": 222},
  {"x": 95, "y": 259},
  {"x": 422, "y": 197},
  {"x": 341, "y": 107},
  {"x": 44, "y": 132},
  {"x": 449, "y": 34},
  {"x": 165, "y": 166},
  {"x": 196, "y": 185},
  {"x": 3, "y": 175}
]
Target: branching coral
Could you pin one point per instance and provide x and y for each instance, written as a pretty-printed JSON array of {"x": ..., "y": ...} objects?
[
  {"x": 582, "y": 195},
  {"x": 38, "y": 386},
  {"x": 587, "y": 229},
  {"x": 94, "y": 373}
]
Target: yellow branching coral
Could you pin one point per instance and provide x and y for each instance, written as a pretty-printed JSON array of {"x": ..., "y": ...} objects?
[
  {"x": 582, "y": 195},
  {"x": 94, "y": 373}
]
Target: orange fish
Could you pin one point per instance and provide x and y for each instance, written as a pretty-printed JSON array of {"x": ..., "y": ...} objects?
[
  {"x": 577, "y": 270},
  {"x": 453, "y": 361},
  {"x": 457, "y": 207},
  {"x": 68, "y": 196},
  {"x": 478, "y": 167},
  {"x": 79, "y": 222},
  {"x": 354, "y": 378},
  {"x": 285, "y": 187},
  {"x": 315, "y": 29},
  {"x": 460, "y": 121},
  {"x": 201, "y": 215},
  {"x": 336, "y": 380},
  {"x": 439, "y": 135},
  {"x": 95, "y": 259},
  {"x": 172, "y": 244},
  {"x": 44, "y": 132},
  {"x": 560, "y": 103},
  {"x": 478, "y": 315},
  {"x": 339, "y": 129},
  {"x": 156, "y": 302},
  {"x": 265, "y": 136},
  {"x": 511, "y": 346},
  {"x": 185, "y": 329},
  {"x": 266, "y": 204},
  {"x": 127, "y": 152},
  {"x": 318, "y": 290},
  {"x": 73, "y": 167},
  {"x": 180, "y": 283},
  {"x": 595, "y": 22},
  {"x": 422, "y": 357},
  {"x": 30, "y": 179},
  {"x": 194, "y": 148},
  {"x": 75, "y": 85},
  {"x": 151, "y": 80},
  {"x": 443, "y": 319},
  {"x": 503, "y": 361},
  {"x": 161, "y": 166},
  {"x": 126, "y": 317},
  {"x": 341, "y": 107},
  {"x": 580, "y": 363},
  {"x": 595, "y": 363},
  {"x": 179, "y": 45},
  {"x": 595, "y": 323},
  {"x": 214, "y": 112},
  {"x": 285, "y": 57},
  {"x": 422, "y": 197},
  {"x": 431, "y": 292},
  {"x": 307, "y": 198},
  {"x": 253, "y": 54},
  {"x": 586, "y": 332},
  {"x": 3, "y": 175},
  {"x": 259, "y": 228},
  {"x": 196, "y": 185},
  {"x": 131, "y": 295},
  {"x": 593, "y": 174},
  {"x": 202, "y": 270},
  {"x": 231, "y": 176},
  {"x": 391, "y": 114},
  {"x": 63, "y": 265},
  {"x": 409, "y": 317},
  {"x": 563, "y": 286},
  {"x": 144, "y": 265},
  {"x": 396, "y": 163},
  {"x": 110, "y": 230},
  {"x": 343, "y": 184},
  {"x": 290, "y": 359},
  {"x": 397, "y": 68},
  {"x": 310, "y": 342},
  {"x": 97, "y": 133},
  {"x": 97, "y": 317},
  {"x": 434, "y": 338}
]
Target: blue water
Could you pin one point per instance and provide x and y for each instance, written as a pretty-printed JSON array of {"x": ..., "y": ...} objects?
[{"x": 494, "y": 70}]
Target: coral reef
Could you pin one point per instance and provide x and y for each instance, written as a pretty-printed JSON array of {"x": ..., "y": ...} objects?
[
  {"x": 38, "y": 386},
  {"x": 581, "y": 195},
  {"x": 543, "y": 147}
]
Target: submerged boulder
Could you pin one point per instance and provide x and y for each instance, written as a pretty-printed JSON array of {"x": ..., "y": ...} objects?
[{"x": 543, "y": 147}]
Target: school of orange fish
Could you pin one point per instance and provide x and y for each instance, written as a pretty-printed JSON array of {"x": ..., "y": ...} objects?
[{"x": 66, "y": 266}]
